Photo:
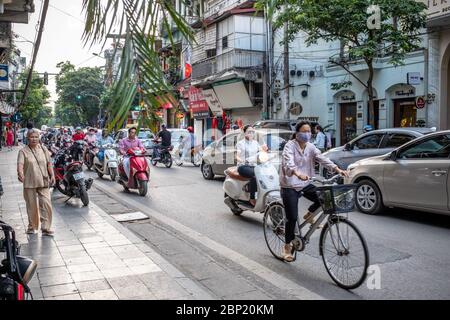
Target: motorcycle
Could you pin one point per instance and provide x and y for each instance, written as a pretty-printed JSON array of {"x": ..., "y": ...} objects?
[
  {"x": 89, "y": 155},
  {"x": 106, "y": 163},
  {"x": 77, "y": 149},
  {"x": 237, "y": 191},
  {"x": 15, "y": 271},
  {"x": 139, "y": 172},
  {"x": 69, "y": 177},
  {"x": 164, "y": 155}
]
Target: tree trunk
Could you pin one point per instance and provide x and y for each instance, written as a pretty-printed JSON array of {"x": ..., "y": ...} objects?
[{"x": 370, "y": 93}]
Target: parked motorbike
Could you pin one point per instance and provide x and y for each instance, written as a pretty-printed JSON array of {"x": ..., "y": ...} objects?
[
  {"x": 237, "y": 188},
  {"x": 89, "y": 155},
  {"x": 164, "y": 155},
  {"x": 15, "y": 271},
  {"x": 106, "y": 162},
  {"x": 69, "y": 177},
  {"x": 139, "y": 171}
]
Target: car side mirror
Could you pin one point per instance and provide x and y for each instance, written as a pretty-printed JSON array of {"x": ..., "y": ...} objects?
[
  {"x": 348, "y": 147},
  {"x": 393, "y": 155}
]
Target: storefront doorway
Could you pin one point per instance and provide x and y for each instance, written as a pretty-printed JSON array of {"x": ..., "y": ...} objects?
[
  {"x": 405, "y": 113},
  {"x": 348, "y": 122}
]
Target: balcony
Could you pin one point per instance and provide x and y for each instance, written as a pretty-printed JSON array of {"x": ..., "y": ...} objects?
[
  {"x": 218, "y": 7},
  {"x": 234, "y": 59},
  {"x": 17, "y": 11}
]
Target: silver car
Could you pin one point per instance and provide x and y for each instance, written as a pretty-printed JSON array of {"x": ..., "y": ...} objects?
[
  {"x": 220, "y": 155},
  {"x": 414, "y": 176},
  {"x": 370, "y": 144}
]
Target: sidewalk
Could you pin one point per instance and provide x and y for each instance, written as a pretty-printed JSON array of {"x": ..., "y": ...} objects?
[{"x": 91, "y": 256}]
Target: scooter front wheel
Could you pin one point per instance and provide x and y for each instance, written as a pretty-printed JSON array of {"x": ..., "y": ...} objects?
[
  {"x": 143, "y": 187},
  {"x": 113, "y": 173}
]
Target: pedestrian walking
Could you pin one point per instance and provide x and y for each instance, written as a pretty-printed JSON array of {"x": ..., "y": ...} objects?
[
  {"x": 9, "y": 138},
  {"x": 321, "y": 140},
  {"x": 34, "y": 170},
  {"x": 25, "y": 133}
]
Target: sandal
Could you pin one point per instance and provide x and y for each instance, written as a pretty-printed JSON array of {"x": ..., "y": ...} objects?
[
  {"x": 48, "y": 233},
  {"x": 310, "y": 219},
  {"x": 30, "y": 231},
  {"x": 287, "y": 256}
]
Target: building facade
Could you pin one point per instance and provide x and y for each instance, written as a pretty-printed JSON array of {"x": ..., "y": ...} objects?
[{"x": 438, "y": 63}]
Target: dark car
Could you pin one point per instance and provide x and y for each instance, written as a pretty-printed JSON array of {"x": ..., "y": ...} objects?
[{"x": 275, "y": 124}]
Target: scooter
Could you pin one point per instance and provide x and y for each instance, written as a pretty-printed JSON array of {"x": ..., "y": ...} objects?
[
  {"x": 108, "y": 164},
  {"x": 70, "y": 179},
  {"x": 139, "y": 172},
  {"x": 89, "y": 155},
  {"x": 15, "y": 271},
  {"x": 76, "y": 150},
  {"x": 237, "y": 188}
]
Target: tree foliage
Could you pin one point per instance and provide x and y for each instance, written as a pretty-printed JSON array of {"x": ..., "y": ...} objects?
[
  {"x": 71, "y": 83},
  {"x": 402, "y": 22},
  {"x": 35, "y": 108}
]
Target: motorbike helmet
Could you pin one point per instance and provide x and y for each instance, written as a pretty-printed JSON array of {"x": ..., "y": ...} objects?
[{"x": 190, "y": 129}]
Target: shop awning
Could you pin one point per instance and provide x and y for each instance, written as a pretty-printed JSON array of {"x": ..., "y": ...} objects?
[{"x": 232, "y": 94}]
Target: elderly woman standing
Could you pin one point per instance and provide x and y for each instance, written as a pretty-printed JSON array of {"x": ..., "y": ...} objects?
[{"x": 34, "y": 169}]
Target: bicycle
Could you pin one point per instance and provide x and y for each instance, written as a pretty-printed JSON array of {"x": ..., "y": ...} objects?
[
  {"x": 196, "y": 155},
  {"x": 340, "y": 240}
]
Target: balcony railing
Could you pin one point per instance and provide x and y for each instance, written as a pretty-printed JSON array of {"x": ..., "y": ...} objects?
[{"x": 234, "y": 59}]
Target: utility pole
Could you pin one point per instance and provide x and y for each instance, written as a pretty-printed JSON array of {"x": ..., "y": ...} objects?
[{"x": 286, "y": 71}]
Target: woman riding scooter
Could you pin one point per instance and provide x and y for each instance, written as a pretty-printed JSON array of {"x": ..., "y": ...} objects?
[{"x": 246, "y": 156}]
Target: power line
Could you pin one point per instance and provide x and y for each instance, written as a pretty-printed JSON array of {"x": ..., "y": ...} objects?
[{"x": 66, "y": 13}]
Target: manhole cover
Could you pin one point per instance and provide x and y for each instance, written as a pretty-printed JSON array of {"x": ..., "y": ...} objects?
[{"x": 124, "y": 217}]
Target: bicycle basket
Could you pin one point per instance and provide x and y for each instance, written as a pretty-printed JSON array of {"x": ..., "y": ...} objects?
[{"x": 337, "y": 198}]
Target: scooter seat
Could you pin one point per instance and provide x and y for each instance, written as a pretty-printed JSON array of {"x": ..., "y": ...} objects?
[{"x": 234, "y": 174}]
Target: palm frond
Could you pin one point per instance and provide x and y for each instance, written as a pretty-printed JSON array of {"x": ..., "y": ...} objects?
[{"x": 140, "y": 68}]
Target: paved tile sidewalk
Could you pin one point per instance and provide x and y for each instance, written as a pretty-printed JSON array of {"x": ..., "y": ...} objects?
[{"x": 91, "y": 256}]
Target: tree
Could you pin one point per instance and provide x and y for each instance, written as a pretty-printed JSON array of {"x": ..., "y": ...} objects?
[
  {"x": 79, "y": 92},
  {"x": 35, "y": 109},
  {"x": 347, "y": 21},
  {"x": 140, "y": 73}
]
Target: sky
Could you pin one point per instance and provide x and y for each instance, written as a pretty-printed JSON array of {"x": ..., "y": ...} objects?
[{"x": 61, "y": 40}]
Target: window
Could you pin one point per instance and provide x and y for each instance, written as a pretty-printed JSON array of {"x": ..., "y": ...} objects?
[
  {"x": 225, "y": 42},
  {"x": 369, "y": 142},
  {"x": 211, "y": 53},
  {"x": 435, "y": 148},
  {"x": 396, "y": 140},
  {"x": 274, "y": 141}
]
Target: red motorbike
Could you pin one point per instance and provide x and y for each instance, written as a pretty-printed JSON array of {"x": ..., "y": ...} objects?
[
  {"x": 70, "y": 179},
  {"x": 139, "y": 171}
]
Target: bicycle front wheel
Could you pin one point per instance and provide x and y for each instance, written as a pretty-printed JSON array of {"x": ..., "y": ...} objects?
[
  {"x": 344, "y": 253},
  {"x": 273, "y": 222}
]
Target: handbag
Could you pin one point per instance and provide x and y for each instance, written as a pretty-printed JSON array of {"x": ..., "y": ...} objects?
[{"x": 44, "y": 178}]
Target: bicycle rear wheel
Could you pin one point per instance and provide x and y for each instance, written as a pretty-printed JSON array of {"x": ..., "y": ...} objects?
[
  {"x": 344, "y": 253},
  {"x": 273, "y": 222}
]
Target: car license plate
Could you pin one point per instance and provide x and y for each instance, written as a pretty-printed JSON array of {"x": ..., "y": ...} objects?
[
  {"x": 112, "y": 164},
  {"x": 78, "y": 176}
]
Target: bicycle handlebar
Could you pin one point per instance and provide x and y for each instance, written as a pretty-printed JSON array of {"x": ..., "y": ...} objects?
[{"x": 332, "y": 180}]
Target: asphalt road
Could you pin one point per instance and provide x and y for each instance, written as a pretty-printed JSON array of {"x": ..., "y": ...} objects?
[{"x": 410, "y": 249}]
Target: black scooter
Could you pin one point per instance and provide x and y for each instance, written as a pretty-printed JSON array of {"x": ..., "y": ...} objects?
[{"x": 15, "y": 271}]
